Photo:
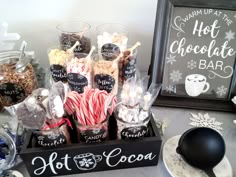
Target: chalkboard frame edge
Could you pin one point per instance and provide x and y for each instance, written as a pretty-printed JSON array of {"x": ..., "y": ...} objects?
[{"x": 160, "y": 38}]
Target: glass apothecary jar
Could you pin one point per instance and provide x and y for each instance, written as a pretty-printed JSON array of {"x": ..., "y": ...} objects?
[{"x": 17, "y": 77}]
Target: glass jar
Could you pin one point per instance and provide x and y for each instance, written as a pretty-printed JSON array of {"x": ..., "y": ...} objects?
[
  {"x": 7, "y": 151},
  {"x": 112, "y": 37},
  {"x": 17, "y": 78},
  {"x": 93, "y": 133},
  {"x": 57, "y": 60},
  {"x": 79, "y": 72},
  {"x": 52, "y": 137},
  {"x": 127, "y": 65},
  {"x": 132, "y": 122},
  {"x": 106, "y": 71},
  {"x": 72, "y": 31}
]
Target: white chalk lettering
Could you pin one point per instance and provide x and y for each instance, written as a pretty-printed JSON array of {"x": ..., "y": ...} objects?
[
  {"x": 53, "y": 164},
  {"x": 110, "y": 157}
]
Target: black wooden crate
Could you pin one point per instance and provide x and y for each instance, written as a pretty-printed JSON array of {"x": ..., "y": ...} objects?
[{"x": 83, "y": 158}]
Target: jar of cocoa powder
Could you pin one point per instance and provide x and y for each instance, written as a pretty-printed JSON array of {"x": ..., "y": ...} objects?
[{"x": 17, "y": 77}]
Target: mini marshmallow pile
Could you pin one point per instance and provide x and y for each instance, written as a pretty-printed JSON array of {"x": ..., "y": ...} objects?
[
  {"x": 90, "y": 107},
  {"x": 119, "y": 39}
]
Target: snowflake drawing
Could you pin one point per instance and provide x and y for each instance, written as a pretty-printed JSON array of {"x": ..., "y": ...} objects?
[
  {"x": 175, "y": 76},
  {"x": 229, "y": 35},
  {"x": 171, "y": 89},
  {"x": 204, "y": 120},
  {"x": 86, "y": 162},
  {"x": 53, "y": 136},
  {"x": 96, "y": 130},
  {"x": 192, "y": 64},
  {"x": 222, "y": 90},
  {"x": 170, "y": 59}
]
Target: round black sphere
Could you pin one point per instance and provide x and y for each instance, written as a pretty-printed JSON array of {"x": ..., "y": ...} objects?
[{"x": 201, "y": 147}]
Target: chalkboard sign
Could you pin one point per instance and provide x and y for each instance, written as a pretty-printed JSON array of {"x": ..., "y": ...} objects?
[
  {"x": 104, "y": 82},
  {"x": 197, "y": 62},
  {"x": 11, "y": 93},
  {"x": 77, "y": 82},
  {"x": 58, "y": 73}
]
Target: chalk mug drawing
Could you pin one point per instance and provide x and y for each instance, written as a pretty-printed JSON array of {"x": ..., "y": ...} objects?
[
  {"x": 87, "y": 161},
  {"x": 196, "y": 84}
]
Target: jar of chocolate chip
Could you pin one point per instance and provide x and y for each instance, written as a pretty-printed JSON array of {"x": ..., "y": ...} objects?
[
  {"x": 17, "y": 78},
  {"x": 72, "y": 31}
]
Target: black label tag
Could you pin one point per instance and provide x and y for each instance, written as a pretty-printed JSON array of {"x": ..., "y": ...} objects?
[
  {"x": 77, "y": 82},
  {"x": 134, "y": 132},
  {"x": 110, "y": 51},
  {"x": 58, "y": 73},
  {"x": 104, "y": 82},
  {"x": 129, "y": 69},
  {"x": 51, "y": 140},
  {"x": 93, "y": 136},
  {"x": 11, "y": 93}
]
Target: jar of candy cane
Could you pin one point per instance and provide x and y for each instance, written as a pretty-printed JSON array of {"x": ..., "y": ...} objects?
[{"x": 93, "y": 133}]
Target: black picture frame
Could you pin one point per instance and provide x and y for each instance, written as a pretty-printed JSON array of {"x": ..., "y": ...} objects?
[{"x": 160, "y": 40}]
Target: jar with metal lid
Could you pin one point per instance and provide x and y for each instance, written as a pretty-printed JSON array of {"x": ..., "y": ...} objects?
[{"x": 17, "y": 77}]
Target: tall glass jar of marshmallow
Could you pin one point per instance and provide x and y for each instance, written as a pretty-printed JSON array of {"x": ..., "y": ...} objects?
[{"x": 112, "y": 38}]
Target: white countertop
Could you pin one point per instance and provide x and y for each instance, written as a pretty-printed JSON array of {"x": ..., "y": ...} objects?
[{"x": 179, "y": 123}]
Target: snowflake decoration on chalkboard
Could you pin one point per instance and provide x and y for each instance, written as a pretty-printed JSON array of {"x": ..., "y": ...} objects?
[
  {"x": 229, "y": 35},
  {"x": 53, "y": 136},
  {"x": 171, "y": 89},
  {"x": 192, "y": 64},
  {"x": 222, "y": 90},
  {"x": 204, "y": 120},
  {"x": 175, "y": 76},
  {"x": 170, "y": 59},
  {"x": 86, "y": 162}
]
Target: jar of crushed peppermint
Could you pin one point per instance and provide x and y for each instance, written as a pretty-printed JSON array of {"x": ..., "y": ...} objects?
[{"x": 17, "y": 77}]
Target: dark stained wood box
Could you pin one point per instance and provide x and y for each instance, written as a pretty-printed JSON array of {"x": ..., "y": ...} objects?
[{"x": 82, "y": 158}]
